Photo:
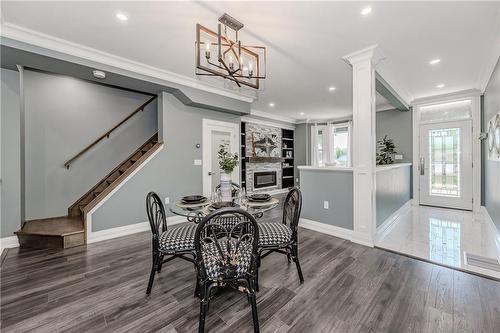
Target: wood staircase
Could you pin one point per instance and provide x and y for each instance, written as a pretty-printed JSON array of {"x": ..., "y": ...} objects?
[{"x": 69, "y": 231}]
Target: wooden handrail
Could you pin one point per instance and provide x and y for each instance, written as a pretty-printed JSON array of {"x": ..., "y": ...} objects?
[{"x": 106, "y": 135}]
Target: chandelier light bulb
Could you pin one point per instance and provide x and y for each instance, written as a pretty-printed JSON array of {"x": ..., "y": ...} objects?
[
  {"x": 231, "y": 62},
  {"x": 250, "y": 70},
  {"x": 207, "y": 50}
]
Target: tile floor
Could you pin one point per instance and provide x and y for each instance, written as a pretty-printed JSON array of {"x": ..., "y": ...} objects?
[{"x": 442, "y": 236}]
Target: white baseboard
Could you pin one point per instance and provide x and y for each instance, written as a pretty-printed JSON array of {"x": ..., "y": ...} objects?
[
  {"x": 102, "y": 235},
  {"x": 8, "y": 243},
  {"x": 487, "y": 218},
  {"x": 326, "y": 228},
  {"x": 390, "y": 222}
]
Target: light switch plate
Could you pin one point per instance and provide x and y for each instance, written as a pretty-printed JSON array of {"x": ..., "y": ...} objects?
[
  {"x": 398, "y": 157},
  {"x": 325, "y": 204},
  {"x": 197, "y": 162},
  {"x": 167, "y": 200}
]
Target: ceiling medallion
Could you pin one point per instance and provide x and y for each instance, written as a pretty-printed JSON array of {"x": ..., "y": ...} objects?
[{"x": 222, "y": 54}]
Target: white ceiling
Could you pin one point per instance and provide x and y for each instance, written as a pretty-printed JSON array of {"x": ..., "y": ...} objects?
[{"x": 305, "y": 41}]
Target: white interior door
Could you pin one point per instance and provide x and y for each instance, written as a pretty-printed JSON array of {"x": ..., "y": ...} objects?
[
  {"x": 446, "y": 164},
  {"x": 215, "y": 134}
]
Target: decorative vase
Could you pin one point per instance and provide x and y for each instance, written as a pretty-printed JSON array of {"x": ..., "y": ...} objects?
[{"x": 225, "y": 187}]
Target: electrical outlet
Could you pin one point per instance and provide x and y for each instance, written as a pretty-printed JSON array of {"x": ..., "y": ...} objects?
[
  {"x": 297, "y": 179},
  {"x": 325, "y": 204},
  {"x": 167, "y": 200},
  {"x": 398, "y": 156},
  {"x": 197, "y": 162}
]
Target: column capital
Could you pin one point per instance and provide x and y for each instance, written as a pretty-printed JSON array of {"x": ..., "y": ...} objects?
[{"x": 372, "y": 53}]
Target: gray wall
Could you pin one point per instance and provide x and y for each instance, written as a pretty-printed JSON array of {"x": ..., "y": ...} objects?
[
  {"x": 10, "y": 154},
  {"x": 63, "y": 115},
  {"x": 300, "y": 149},
  {"x": 492, "y": 168},
  {"x": 393, "y": 191},
  {"x": 336, "y": 187},
  {"x": 398, "y": 126},
  {"x": 171, "y": 173}
]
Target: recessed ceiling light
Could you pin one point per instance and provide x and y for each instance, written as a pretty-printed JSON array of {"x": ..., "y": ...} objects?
[
  {"x": 435, "y": 61},
  {"x": 332, "y": 89},
  {"x": 271, "y": 104},
  {"x": 99, "y": 74},
  {"x": 121, "y": 17},
  {"x": 441, "y": 85},
  {"x": 302, "y": 113},
  {"x": 366, "y": 10}
]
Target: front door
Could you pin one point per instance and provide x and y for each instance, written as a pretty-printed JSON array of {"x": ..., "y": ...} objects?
[
  {"x": 215, "y": 134},
  {"x": 446, "y": 164}
]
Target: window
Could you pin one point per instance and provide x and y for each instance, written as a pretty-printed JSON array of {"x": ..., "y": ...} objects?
[{"x": 331, "y": 145}]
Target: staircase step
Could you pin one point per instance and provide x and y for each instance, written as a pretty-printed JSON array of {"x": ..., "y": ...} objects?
[{"x": 59, "y": 232}]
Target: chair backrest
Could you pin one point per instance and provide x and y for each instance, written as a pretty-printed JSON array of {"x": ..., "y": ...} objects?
[
  {"x": 156, "y": 214},
  {"x": 227, "y": 251},
  {"x": 291, "y": 209}
]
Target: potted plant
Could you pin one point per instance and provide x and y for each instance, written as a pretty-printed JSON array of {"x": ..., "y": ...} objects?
[
  {"x": 227, "y": 163},
  {"x": 387, "y": 149}
]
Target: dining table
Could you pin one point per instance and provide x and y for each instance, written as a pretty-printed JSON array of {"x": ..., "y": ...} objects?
[{"x": 197, "y": 211}]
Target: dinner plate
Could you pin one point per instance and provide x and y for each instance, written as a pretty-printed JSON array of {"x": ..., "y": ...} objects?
[
  {"x": 220, "y": 205},
  {"x": 192, "y": 199},
  {"x": 261, "y": 197}
]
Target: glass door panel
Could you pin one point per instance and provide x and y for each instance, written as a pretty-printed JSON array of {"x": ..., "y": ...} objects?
[{"x": 446, "y": 164}]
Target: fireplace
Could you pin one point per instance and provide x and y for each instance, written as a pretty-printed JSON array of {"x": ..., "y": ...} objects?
[{"x": 263, "y": 179}]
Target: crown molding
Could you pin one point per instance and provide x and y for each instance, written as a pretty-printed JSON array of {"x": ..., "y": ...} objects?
[
  {"x": 372, "y": 53},
  {"x": 447, "y": 97},
  {"x": 75, "y": 50},
  {"x": 273, "y": 116},
  {"x": 490, "y": 64}
]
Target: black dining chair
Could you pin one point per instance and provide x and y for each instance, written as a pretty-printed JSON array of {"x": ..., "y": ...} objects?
[
  {"x": 282, "y": 237},
  {"x": 172, "y": 243},
  {"x": 226, "y": 256}
]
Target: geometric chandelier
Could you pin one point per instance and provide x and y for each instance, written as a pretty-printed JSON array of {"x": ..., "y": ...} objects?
[{"x": 222, "y": 54}]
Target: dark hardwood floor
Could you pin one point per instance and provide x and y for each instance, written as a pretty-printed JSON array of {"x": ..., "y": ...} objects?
[{"x": 348, "y": 288}]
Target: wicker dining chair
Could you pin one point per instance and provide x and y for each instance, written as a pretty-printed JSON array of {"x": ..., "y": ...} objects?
[
  {"x": 226, "y": 256},
  {"x": 172, "y": 243},
  {"x": 282, "y": 237}
]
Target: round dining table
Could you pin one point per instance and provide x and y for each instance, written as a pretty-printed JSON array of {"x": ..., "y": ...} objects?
[{"x": 196, "y": 212}]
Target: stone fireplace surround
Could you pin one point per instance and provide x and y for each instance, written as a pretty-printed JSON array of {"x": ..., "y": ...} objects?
[{"x": 252, "y": 167}]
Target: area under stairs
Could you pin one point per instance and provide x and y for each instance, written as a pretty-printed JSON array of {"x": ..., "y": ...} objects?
[{"x": 69, "y": 231}]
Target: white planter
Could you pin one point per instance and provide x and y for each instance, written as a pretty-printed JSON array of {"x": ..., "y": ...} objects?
[{"x": 225, "y": 187}]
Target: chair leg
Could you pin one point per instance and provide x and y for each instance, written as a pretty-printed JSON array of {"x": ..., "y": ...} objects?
[
  {"x": 197, "y": 287},
  {"x": 160, "y": 263},
  {"x": 256, "y": 287},
  {"x": 255, "y": 317},
  {"x": 288, "y": 256},
  {"x": 152, "y": 274},
  {"x": 295, "y": 256},
  {"x": 204, "y": 299}
]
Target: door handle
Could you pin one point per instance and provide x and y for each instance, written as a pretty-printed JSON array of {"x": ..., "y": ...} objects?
[
  {"x": 210, "y": 173},
  {"x": 422, "y": 166}
]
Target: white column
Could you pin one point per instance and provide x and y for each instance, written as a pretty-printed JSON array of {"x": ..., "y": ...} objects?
[{"x": 363, "y": 64}]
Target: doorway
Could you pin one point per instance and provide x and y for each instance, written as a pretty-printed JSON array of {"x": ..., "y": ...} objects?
[
  {"x": 215, "y": 134},
  {"x": 445, "y": 164}
]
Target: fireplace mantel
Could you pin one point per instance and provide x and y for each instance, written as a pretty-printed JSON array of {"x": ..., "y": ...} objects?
[{"x": 265, "y": 159}]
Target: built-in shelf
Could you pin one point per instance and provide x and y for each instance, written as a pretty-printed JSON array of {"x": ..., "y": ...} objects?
[{"x": 288, "y": 176}]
